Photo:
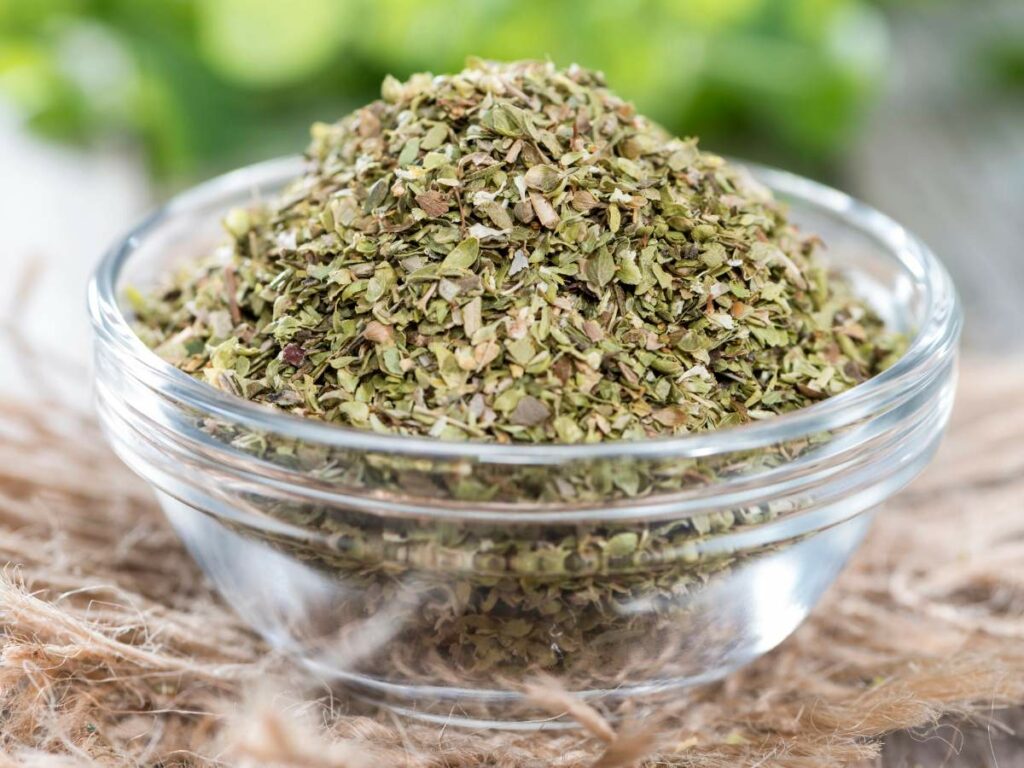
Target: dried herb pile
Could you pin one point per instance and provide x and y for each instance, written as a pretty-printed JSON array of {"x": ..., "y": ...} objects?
[{"x": 511, "y": 253}]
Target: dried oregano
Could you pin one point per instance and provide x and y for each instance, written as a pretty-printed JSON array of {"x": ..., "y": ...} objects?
[{"x": 511, "y": 253}]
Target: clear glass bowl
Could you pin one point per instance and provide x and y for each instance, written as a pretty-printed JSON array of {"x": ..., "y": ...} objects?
[{"x": 439, "y": 577}]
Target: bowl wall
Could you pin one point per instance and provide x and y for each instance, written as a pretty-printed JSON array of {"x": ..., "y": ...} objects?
[{"x": 440, "y": 577}]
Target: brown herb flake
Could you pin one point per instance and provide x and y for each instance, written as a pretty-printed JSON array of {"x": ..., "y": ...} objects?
[
  {"x": 529, "y": 412},
  {"x": 293, "y": 354}
]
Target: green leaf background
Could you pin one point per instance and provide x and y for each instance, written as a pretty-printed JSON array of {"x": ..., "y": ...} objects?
[{"x": 204, "y": 85}]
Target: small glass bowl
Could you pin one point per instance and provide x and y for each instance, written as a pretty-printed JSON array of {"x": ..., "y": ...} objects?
[{"x": 438, "y": 577}]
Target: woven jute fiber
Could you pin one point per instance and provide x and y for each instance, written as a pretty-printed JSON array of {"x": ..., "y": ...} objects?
[{"x": 116, "y": 652}]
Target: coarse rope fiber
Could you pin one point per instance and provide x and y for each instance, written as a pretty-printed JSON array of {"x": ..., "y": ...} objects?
[{"x": 114, "y": 650}]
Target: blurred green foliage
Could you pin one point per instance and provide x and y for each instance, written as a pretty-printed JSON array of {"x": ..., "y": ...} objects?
[{"x": 207, "y": 84}]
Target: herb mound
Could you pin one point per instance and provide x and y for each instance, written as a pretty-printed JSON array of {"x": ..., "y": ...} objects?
[{"x": 511, "y": 253}]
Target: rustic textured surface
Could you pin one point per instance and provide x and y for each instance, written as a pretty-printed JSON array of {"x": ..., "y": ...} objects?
[{"x": 115, "y": 651}]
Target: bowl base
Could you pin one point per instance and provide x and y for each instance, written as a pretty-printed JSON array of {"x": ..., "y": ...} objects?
[
  {"x": 509, "y": 710},
  {"x": 734, "y": 618}
]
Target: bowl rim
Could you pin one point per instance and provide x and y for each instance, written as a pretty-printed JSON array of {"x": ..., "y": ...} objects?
[{"x": 935, "y": 339}]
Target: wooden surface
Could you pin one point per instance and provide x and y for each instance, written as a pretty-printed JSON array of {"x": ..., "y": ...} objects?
[
  {"x": 945, "y": 155},
  {"x": 998, "y": 744}
]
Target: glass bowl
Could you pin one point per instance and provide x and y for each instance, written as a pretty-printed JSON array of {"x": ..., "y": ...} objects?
[{"x": 439, "y": 577}]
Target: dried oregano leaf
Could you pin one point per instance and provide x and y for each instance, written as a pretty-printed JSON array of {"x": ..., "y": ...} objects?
[{"x": 511, "y": 253}]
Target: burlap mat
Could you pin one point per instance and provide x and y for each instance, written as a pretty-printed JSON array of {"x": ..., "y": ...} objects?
[{"x": 116, "y": 652}]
